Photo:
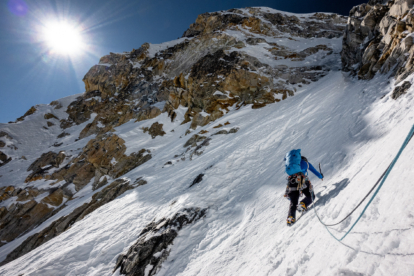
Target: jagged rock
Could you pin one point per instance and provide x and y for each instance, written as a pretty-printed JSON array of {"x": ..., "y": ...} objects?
[
  {"x": 43, "y": 164},
  {"x": 125, "y": 86},
  {"x": 400, "y": 90},
  {"x": 7, "y": 192},
  {"x": 233, "y": 130},
  {"x": 255, "y": 40},
  {"x": 377, "y": 39},
  {"x": 148, "y": 113},
  {"x": 56, "y": 104},
  {"x": 63, "y": 134},
  {"x": 197, "y": 180},
  {"x": 100, "y": 180},
  {"x": 4, "y": 159},
  {"x": 129, "y": 163},
  {"x": 221, "y": 132},
  {"x": 50, "y": 116},
  {"x": 2, "y": 144},
  {"x": 401, "y": 7},
  {"x": 49, "y": 158},
  {"x": 27, "y": 194},
  {"x": 5, "y": 134},
  {"x": 324, "y": 25},
  {"x": 28, "y": 113},
  {"x": 103, "y": 155},
  {"x": 55, "y": 198},
  {"x": 194, "y": 140},
  {"x": 151, "y": 248},
  {"x": 155, "y": 130},
  {"x": 22, "y": 217},
  {"x": 139, "y": 182},
  {"x": 100, "y": 152},
  {"x": 211, "y": 22},
  {"x": 49, "y": 124},
  {"x": 115, "y": 189}
]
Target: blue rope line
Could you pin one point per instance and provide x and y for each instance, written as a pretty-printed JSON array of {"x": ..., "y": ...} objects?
[{"x": 410, "y": 135}]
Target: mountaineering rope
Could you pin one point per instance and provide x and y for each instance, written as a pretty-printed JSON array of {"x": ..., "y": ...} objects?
[
  {"x": 383, "y": 177},
  {"x": 359, "y": 204}
]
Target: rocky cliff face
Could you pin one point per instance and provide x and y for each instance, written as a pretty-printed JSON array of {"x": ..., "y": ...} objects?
[
  {"x": 379, "y": 39},
  {"x": 62, "y": 161}
]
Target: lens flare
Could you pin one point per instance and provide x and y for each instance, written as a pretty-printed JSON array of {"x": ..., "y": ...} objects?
[
  {"x": 18, "y": 7},
  {"x": 63, "y": 38}
]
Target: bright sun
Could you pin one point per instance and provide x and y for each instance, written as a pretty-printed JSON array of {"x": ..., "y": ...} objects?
[{"x": 63, "y": 38}]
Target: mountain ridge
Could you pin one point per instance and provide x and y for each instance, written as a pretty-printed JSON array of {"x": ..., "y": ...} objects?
[{"x": 164, "y": 119}]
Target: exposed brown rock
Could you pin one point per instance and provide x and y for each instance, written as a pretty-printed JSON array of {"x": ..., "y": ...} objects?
[
  {"x": 148, "y": 113},
  {"x": 27, "y": 212},
  {"x": 63, "y": 134},
  {"x": 233, "y": 130},
  {"x": 22, "y": 217},
  {"x": 43, "y": 164},
  {"x": 4, "y": 159},
  {"x": 56, "y": 104},
  {"x": 5, "y": 134},
  {"x": 7, "y": 192},
  {"x": 155, "y": 130},
  {"x": 109, "y": 193},
  {"x": 50, "y": 116},
  {"x": 2, "y": 144},
  {"x": 102, "y": 156},
  {"x": 28, "y": 113},
  {"x": 27, "y": 194},
  {"x": 194, "y": 140},
  {"x": 55, "y": 198}
]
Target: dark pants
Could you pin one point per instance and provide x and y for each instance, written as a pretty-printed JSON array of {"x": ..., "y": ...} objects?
[{"x": 294, "y": 198}]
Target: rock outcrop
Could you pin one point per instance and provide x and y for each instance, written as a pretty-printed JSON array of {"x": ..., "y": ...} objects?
[
  {"x": 109, "y": 193},
  {"x": 400, "y": 90},
  {"x": 379, "y": 39},
  {"x": 128, "y": 86},
  {"x": 31, "y": 111},
  {"x": 44, "y": 163},
  {"x": 27, "y": 212},
  {"x": 102, "y": 156},
  {"x": 4, "y": 159},
  {"x": 154, "y": 130},
  {"x": 152, "y": 246}
]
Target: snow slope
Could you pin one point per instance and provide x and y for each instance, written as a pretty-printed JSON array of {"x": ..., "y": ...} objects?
[{"x": 345, "y": 124}]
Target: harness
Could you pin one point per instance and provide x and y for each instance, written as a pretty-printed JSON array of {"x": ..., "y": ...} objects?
[{"x": 296, "y": 182}]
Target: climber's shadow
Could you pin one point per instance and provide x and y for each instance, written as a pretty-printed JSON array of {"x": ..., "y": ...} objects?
[{"x": 323, "y": 199}]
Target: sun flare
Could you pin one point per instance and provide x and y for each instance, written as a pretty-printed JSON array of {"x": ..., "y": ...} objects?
[{"x": 63, "y": 38}]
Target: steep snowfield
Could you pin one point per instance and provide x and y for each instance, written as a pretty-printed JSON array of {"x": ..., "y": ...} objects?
[
  {"x": 353, "y": 128},
  {"x": 345, "y": 124}
]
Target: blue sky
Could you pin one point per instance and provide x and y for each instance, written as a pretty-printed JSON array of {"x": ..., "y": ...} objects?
[{"x": 30, "y": 74}]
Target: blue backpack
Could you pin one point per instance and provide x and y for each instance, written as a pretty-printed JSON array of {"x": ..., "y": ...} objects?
[{"x": 292, "y": 162}]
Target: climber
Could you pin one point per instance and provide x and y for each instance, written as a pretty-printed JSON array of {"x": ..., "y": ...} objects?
[{"x": 297, "y": 168}]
